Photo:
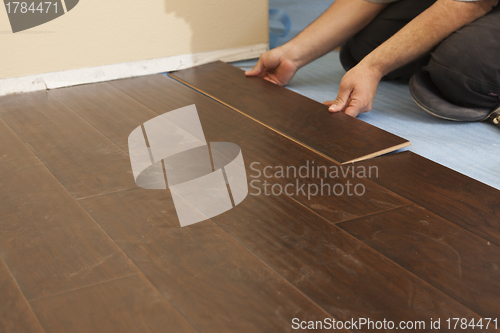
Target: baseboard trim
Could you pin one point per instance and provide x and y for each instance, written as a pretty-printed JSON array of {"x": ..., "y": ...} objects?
[{"x": 125, "y": 70}]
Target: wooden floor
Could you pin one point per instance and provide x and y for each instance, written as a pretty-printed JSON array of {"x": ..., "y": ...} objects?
[{"x": 83, "y": 249}]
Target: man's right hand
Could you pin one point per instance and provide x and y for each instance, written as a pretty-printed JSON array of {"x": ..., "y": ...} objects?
[
  {"x": 275, "y": 66},
  {"x": 340, "y": 22}
]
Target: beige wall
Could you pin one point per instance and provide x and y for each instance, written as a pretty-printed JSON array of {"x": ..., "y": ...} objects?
[{"x": 104, "y": 32}]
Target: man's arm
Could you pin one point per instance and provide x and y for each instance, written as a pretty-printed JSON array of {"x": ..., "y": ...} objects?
[
  {"x": 336, "y": 25},
  {"x": 359, "y": 85}
]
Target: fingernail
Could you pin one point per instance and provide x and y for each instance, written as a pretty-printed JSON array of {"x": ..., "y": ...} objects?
[{"x": 333, "y": 108}]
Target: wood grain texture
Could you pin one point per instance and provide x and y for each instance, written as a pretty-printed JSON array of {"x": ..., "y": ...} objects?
[
  {"x": 447, "y": 193},
  {"x": 449, "y": 257},
  {"x": 128, "y": 304},
  {"x": 53, "y": 246},
  {"x": 84, "y": 161},
  {"x": 259, "y": 144},
  {"x": 251, "y": 269},
  {"x": 335, "y": 135},
  {"x": 218, "y": 287},
  {"x": 344, "y": 277},
  {"x": 47, "y": 240},
  {"x": 215, "y": 283},
  {"x": 111, "y": 112},
  {"x": 15, "y": 313},
  {"x": 322, "y": 262},
  {"x": 204, "y": 273}
]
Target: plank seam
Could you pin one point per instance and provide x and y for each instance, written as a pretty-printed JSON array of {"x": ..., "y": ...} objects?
[
  {"x": 119, "y": 250},
  {"x": 21, "y": 291},
  {"x": 330, "y": 222},
  {"x": 243, "y": 247},
  {"x": 387, "y": 258},
  {"x": 300, "y": 292},
  {"x": 354, "y": 238},
  {"x": 122, "y": 190},
  {"x": 367, "y": 157},
  {"x": 105, "y": 193},
  {"x": 82, "y": 287},
  {"x": 331, "y": 159},
  {"x": 363, "y": 158},
  {"x": 252, "y": 118}
]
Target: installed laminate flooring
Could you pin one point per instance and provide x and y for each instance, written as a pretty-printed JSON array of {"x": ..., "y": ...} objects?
[
  {"x": 277, "y": 231},
  {"x": 83, "y": 249},
  {"x": 15, "y": 312},
  {"x": 261, "y": 146},
  {"x": 452, "y": 259},
  {"x": 449, "y": 194}
]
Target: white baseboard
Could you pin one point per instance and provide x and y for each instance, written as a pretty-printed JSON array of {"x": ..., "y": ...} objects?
[{"x": 124, "y": 70}]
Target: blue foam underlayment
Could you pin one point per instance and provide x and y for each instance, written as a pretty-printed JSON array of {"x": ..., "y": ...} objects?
[{"x": 472, "y": 149}]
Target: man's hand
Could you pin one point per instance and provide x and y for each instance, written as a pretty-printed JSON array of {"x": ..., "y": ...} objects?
[
  {"x": 336, "y": 25},
  {"x": 358, "y": 87},
  {"x": 276, "y": 66},
  {"x": 357, "y": 91}
]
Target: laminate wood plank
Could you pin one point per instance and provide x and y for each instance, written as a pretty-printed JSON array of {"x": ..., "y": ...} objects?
[
  {"x": 84, "y": 161},
  {"x": 447, "y": 193},
  {"x": 336, "y": 135},
  {"x": 269, "y": 230},
  {"x": 259, "y": 144},
  {"x": 47, "y": 240},
  {"x": 449, "y": 257},
  {"x": 15, "y": 313},
  {"x": 216, "y": 284},
  {"x": 128, "y": 304},
  {"x": 111, "y": 112},
  {"x": 320, "y": 259},
  {"x": 217, "y": 287}
]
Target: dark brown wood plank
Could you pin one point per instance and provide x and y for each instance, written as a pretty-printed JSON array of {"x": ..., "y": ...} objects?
[
  {"x": 347, "y": 279},
  {"x": 111, "y": 112},
  {"x": 84, "y": 161},
  {"x": 314, "y": 256},
  {"x": 217, "y": 287},
  {"x": 216, "y": 284},
  {"x": 310, "y": 253},
  {"x": 15, "y": 312},
  {"x": 336, "y": 135},
  {"x": 447, "y": 193},
  {"x": 47, "y": 240},
  {"x": 50, "y": 243},
  {"x": 449, "y": 257},
  {"x": 128, "y": 304},
  {"x": 213, "y": 281},
  {"x": 259, "y": 144}
]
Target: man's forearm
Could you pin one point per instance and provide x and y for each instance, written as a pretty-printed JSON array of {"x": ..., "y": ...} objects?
[
  {"x": 424, "y": 32},
  {"x": 335, "y": 26}
]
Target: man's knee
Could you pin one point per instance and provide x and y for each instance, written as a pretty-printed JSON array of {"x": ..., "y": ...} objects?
[
  {"x": 384, "y": 26},
  {"x": 466, "y": 67}
]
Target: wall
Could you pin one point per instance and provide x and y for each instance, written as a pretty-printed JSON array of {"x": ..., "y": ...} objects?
[{"x": 97, "y": 33}]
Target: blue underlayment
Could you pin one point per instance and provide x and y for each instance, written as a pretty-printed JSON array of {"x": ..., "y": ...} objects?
[{"x": 470, "y": 148}]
